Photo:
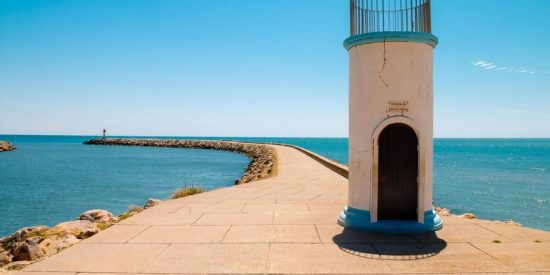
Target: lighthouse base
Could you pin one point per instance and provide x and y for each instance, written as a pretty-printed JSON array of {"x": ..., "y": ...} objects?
[{"x": 360, "y": 220}]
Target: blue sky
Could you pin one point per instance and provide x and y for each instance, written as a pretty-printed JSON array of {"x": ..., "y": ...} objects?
[{"x": 254, "y": 68}]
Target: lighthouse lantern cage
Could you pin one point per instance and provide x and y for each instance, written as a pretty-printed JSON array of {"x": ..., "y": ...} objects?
[{"x": 368, "y": 16}]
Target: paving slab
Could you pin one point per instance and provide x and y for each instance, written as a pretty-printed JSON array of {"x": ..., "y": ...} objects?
[
  {"x": 211, "y": 258},
  {"x": 520, "y": 256},
  {"x": 212, "y": 207},
  {"x": 462, "y": 233},
  {"x": 101, "y": 258},
  {"x": 165, "y": 207},
  {"x": 517, "y": 233},
  {"x": 272, "y": 234},
  {"x": 118, "y": 233},
  {"x": 145, "y": 218},
  {"x": 235, "y": 218},
  {"x": 304, "y": 218},
  {"x": 438, "y": 257},
  {"x": 325, "y": 207},
  {"x": 287, "y": 224},
  {"x": 181, "y": 234},
  {"x": 321, "y": 258},
  {"x": 275, "y": 207}
]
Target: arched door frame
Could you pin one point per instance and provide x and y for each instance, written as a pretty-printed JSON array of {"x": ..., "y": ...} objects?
[{"x": 374, "y": 175}]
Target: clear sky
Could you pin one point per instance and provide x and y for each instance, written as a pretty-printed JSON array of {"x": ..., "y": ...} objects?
[{"x": 254, "y": 67}]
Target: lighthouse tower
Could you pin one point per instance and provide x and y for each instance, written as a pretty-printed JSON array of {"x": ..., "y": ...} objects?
[{"x": 390, "y": 117}]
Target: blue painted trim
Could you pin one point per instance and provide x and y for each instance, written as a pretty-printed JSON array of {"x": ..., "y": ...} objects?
[
  {"x": 360, "y": 220},
  {"x": 374, "y": 37}
]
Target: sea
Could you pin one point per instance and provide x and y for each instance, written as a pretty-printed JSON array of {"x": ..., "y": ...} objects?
[{"x": 51, "y": 179}]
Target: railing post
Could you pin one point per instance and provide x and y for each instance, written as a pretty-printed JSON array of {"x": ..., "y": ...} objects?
[{"x": 429, "y": 16}]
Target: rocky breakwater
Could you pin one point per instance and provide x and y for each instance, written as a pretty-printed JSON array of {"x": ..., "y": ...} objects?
[
  {"x": 6, "y": 146},
  {"x": 262, "y": 157},
  {"x": 30, "y": 244}
]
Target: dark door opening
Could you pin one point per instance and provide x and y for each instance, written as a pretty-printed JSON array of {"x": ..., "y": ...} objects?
[{"x": 397, "y": 173}]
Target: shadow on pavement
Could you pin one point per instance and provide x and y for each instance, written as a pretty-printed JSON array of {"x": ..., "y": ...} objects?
[{"x": 389, "y": 247}]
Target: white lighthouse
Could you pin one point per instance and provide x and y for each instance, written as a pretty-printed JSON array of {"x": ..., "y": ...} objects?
[{"x": 390, "y": 117}]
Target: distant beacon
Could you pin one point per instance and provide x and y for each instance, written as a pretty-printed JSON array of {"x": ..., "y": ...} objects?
[{"x": 390, "y": 117}]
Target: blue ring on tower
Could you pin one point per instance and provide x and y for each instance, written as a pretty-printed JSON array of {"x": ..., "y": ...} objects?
[
  {"x": 358, "y": 219},
  {"x": 375, "y": 37}
]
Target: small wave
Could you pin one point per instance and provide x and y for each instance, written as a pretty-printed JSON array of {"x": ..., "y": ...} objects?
[{"x": 538, "y": 169}]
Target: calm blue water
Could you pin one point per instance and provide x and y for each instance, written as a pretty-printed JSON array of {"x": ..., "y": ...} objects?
[{"x": 50, "y": 179}]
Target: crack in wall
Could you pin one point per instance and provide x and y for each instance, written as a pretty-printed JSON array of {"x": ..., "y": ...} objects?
[{"x": 383, "y": 67}]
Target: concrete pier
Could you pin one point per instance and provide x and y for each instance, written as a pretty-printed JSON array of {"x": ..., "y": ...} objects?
[{"x": 287, "y": 224}]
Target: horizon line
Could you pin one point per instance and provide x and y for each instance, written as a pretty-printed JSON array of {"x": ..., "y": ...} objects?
[{"x": 231, "y": 136}]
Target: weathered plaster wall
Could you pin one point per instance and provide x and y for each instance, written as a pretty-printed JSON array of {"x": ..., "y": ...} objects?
[{"x": 379, "y": 73}]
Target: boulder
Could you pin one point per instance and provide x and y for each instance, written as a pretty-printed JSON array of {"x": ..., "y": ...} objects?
[
  {"x": 5, "y": 258},
  {"x": 6, "y": 146},
  {"x": 468, "y": 216},
  {"x": 22, "y": 245},
  {"x": 31, "y": 248},
  {"x": 82, "y": 229},
  {"x": 513, "y": 223},
  {"x": 48, "y": 246},
  {"x": 66, "y": 242},
  {"x": 29, "y": 244},
  {"x": 56, "y": 243},
  {"x": 442, "y": 211},
  {"x": 151, "y": 203},
  {"x": 21, "y": 235},
  {"x": 28, "y": 250},
  {"x": 98, "y": 215}
]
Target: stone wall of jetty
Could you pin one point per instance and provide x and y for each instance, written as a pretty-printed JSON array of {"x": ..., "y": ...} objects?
[{"x": 263, "y": 163}]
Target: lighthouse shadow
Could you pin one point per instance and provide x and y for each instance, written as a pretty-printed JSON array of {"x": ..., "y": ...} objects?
[{"x": 389, "y": 247}]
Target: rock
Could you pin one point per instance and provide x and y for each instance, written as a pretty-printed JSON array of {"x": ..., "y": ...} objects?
[
  {"x": 513, "y": 223},
  {"x": 442, "y": 211},
  {"x": 21, "y": 235},
  {"x": 468, "y": 216},
  {"x": 28, "y": 250},
  {"x": 33, "y": 248},
  {"x": 151, "y": 203},
  {"x": 66, "y": 242},
  {"x": 5, "y": 258},
  {"x": 33, "y": 243},
  {"x": 17, "y": 265},
  {"x": 6, "y": 146},
  {"x": 82, "y": 229},
  {"x": 23, "y": 244},
  {"x": 445, "y": 212},
  {"x": 56, "y": 243},
  {"x": 98, "y": 215},
  {"x": 48, "y": 246}
]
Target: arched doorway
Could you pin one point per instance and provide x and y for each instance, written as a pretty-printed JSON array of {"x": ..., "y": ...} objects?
[{"x": 397, "y": 173}]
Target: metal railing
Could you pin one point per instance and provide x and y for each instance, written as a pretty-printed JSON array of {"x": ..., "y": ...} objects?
[{"x": 367, "y": 16}]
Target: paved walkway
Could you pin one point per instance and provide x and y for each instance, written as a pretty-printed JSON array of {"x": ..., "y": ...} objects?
[{"x": 287, "y": 224}]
